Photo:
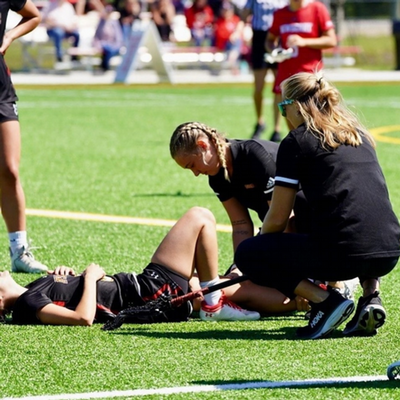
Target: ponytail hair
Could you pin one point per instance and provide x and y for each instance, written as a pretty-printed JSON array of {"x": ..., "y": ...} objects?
[{"x": 324, "y": 112}]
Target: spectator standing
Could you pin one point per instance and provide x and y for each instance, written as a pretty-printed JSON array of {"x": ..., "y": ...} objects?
[
  {"x": 61, "y": 22},
  {"x": 200, "y": 19},
  {"x": 262, "y": 14},
  {"x": 307, "y": 28},
  {"x": 108, "y": 37},
  {"x": 163, "y": 13},
  {"x": 12, "y": 198}
]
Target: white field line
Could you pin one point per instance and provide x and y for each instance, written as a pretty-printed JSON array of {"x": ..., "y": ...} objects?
[
  {"x": 116, "y": 219},
  {"x": 205, "y": 388}
]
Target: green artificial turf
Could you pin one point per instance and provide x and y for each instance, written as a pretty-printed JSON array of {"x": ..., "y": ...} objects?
[{"x": 104, "y": 150}]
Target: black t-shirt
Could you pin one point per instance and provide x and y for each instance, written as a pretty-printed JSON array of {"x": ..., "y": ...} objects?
[
  {"x": 113, "y": 293},
  {"x": 252, "y": 181},
  {"x": 66, "y": 291},
  {"x": 351, "y": 212},
  {"x": 7, "y": 92}
]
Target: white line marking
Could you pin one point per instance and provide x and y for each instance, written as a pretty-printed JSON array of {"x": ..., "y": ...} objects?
[
  {"x": 110, "y": 218},
  {"x": 205, "y": 388}
]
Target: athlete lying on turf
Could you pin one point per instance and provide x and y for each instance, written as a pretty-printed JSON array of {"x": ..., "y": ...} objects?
[{"x": 62, "y": 298}]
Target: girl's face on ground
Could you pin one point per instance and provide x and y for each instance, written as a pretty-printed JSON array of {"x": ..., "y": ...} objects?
[
  {"x": 5, "y": 281},
  {"x": 205, "y": 161}
]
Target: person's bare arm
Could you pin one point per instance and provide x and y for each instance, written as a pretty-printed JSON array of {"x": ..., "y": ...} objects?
[
  {"x": 85, "y": 312},
  {"x": 242, "y": 225},
  {"x": 325, "y": 41},
  {"x": 30, "y": 20},
  {"x": 280, "y": 211}
]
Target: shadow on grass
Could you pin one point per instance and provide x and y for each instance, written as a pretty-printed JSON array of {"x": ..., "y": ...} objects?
[
  {"x": 236, "y": 333},
  {"x": 312, "y": 383},
  {"x": 177, "y": 194}
]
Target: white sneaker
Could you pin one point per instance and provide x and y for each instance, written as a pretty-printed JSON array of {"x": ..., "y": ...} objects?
[
  {"x": 349, "y": 288},
  {"x": 23, "y": 261},
  {"x": 225, "y": 310}
]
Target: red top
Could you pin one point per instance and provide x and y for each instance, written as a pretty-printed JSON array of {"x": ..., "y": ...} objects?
[
  {"x": 197, "y": 18},
  {"x": 308, "y": 22},
  {"x": 224, "y": 27}
]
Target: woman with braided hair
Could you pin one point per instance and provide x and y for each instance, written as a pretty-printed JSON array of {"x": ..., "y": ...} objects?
[
  {"x": 354, "y": 231},
  {"x": 242, "y": 175},
  {"x": 240, "y": 172}
]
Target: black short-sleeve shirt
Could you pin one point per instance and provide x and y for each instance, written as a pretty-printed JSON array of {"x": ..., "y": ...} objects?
[
  {"x": 346, "y": 192},
  {"x": 7, "y": 92},
  {"x": 113, "y": 293},
  {"x": 252, "y": 181},
  {"x": 65, "y": 291}
]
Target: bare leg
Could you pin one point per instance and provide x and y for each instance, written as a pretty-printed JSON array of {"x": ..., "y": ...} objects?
[
  {"x": 259, "y": 83},
  {"x": 370, "y": 286},
  {"x": 277, "y": 114},
  {"x": 251, "y": 296},
  {"x": 191, "y": 244},
  {"x": 12, "y": 195},
  {"x": 311, "y": 291}
]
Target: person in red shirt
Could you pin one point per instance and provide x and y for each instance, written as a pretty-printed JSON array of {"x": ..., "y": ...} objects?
[
  {"x": 199, "y": 19},
  {"x": 307, "y": 28},
  {"x": 228, "y": 35}
]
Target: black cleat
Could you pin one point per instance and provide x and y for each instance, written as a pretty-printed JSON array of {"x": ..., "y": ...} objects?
[{"x": 258, "y": 130}]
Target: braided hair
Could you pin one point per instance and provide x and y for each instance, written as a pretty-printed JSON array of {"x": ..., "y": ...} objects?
[{"x": 185, "y": 138}]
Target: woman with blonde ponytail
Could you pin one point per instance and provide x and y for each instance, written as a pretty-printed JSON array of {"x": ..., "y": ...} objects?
[{"x": 354, "y": 231}]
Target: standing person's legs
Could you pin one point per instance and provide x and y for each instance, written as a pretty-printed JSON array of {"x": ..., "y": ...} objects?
[
  {"x": 276, "y": 135},
  {"x": 260, "y": 70},
  {"x": 12, "y": 198},
  {"x": 259, "y": 84},
  {"x": 190, "y": 245}
]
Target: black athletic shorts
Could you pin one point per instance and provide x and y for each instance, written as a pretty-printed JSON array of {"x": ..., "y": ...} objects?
[
  {"x": 8, "y": 112},
  {"x": 258, "y": 51},
  {"x": 156, "y": 279}
]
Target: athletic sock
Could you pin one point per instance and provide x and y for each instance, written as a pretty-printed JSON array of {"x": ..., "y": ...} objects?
[
  {"x": 17, "y": 240},
  {"x": 211, "y": 298}
]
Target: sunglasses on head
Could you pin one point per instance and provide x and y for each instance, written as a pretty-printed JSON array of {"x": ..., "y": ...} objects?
[{"x": 282, "y": 105}]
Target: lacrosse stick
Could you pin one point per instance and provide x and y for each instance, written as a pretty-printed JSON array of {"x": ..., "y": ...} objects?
[
  {"x": 155, "y": 311},
  {"x": 278, "y": 55}
]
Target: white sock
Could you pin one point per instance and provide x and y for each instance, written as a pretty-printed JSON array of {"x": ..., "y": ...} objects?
[
  {"x": 211, "y": 298},
  {"x": 17, "y": 240}
]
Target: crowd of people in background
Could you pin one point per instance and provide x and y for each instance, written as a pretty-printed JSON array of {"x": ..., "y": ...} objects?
[{"x": 211, "y": 23}]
